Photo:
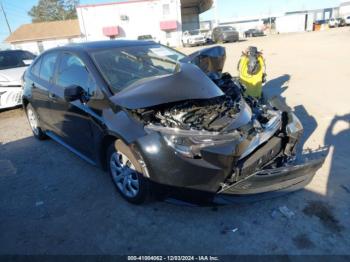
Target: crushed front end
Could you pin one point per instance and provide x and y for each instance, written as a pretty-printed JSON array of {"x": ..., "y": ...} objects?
[{"x": 229, "y": 144}]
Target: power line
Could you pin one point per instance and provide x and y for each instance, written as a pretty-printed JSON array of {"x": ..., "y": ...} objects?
[{"x": 7, "y": 22}]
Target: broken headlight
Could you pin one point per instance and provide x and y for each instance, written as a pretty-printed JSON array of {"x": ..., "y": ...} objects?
[
  {"x": 190, "y": 142},
  {"x": 294, "y": 128}
]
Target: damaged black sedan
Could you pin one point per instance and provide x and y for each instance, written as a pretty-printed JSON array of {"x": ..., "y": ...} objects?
[{"x": 151, "y": 115}]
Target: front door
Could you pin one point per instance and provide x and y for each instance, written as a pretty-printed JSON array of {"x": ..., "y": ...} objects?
[{"x": 71, "y": 120}]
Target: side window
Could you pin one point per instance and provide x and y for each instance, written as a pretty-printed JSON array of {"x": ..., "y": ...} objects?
[
  {"x": 72, "y": 71},
  {"x": 36, "y": 68},
  {"x": 48, "y": 66},
  {"x": 27, "y": 55}
]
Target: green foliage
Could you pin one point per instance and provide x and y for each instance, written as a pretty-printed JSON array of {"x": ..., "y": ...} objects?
[{"x": 53, "y": 10}]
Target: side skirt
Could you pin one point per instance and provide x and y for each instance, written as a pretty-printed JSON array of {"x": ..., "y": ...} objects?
[{"x": 73, "y": 150}]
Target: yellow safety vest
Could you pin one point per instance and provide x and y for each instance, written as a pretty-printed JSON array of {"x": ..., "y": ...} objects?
[{"x": 252, "y": 83}]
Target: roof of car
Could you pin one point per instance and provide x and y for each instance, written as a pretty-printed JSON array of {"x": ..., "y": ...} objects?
[
  {"x": 107, "y": 44},
  {"x": 11, "y": 51}
]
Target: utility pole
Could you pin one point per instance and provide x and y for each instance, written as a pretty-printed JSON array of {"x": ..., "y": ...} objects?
[
  {"x": 7, "y": 22},
  {"x": 216, "y": 11}
]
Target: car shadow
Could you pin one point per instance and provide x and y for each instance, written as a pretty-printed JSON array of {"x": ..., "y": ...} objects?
[{"x": 275, "y": 88}]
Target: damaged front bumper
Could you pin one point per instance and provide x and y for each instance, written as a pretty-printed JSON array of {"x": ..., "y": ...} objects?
[
  {"x": 270, "y": 168},
  {"x": 292, "y": 176}
]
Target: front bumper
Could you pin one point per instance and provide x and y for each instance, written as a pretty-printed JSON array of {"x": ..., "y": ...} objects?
[
  {"x": 291, "y": 177},
  {"x": 230, "y": 38},
  {"x": 198, "y": 42},
  {"x": 221, "y": 169},
  {"x": 10, "y": 97}
]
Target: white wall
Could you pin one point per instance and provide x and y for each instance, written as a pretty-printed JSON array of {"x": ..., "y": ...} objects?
[
  {"x": 344, "y": 10},
  {"x": 144, "y": 19},
  {"x": 290, "y": 23},
  {"x": 32, "y": 46}
]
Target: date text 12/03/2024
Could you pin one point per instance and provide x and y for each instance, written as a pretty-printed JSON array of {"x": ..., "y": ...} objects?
[{"x": 173, "y": 258}]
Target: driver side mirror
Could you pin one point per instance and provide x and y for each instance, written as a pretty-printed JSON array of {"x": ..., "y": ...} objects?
[{"x": 73, "y": 92}]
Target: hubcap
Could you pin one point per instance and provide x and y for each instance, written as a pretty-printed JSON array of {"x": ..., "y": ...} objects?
[
  {"x": 124, "y": 174},
  {"x": 33, "y": 121}
]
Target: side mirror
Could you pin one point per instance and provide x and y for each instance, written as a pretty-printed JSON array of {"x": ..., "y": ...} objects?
[{"x": 73, "y": 92}]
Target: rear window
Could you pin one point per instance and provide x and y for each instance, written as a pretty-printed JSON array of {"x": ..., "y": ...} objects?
[
  {"x": 124, "y": 66},
  {"x": 227, "y": 28}
]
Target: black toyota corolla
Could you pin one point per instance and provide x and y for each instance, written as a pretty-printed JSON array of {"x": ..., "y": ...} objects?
[{"x": 151, "y": 115}]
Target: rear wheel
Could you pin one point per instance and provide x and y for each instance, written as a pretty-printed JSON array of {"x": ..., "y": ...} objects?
[
  {"x": 123, "y": 168},
  {"x": 33, "y": 120}
]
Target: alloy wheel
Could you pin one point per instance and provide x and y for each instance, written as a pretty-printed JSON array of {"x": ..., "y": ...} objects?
[
  {"x": 124, "y": 174},
  {"x": 33, "y": 120}
]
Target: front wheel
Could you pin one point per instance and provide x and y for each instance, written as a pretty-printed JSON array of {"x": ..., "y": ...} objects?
[
  {"x": 33, "y": 120},
  {"x": 123, "y": 168}
]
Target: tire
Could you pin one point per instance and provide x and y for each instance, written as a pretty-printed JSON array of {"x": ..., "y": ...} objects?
[
  {"x": 122, "y": 167},
  {"x": 34, "y": 123}
]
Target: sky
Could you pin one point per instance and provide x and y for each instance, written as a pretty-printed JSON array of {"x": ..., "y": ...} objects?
[{"x": 17, "y": 10}]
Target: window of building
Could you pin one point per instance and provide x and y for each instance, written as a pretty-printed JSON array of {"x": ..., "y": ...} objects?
[
  {"x": 72, "y": 71},
  {"x": 47, "y": 67},
  {"x": 166, "y": 9},
  {"x": 40, "y": 46},
  {"x": 124, "y": 18},
  {"x": 168, "y": 35}
]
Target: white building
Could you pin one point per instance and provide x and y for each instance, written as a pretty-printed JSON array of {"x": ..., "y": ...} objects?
[
  {"x": 38, "y": 37},
  {"x": 164, "y": 20},
  {"x": 344, "y": 9},
  {"x": 291, "y": 23}
]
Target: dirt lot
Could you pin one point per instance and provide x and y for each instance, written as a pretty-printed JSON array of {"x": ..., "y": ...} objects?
[{"x": 51, "y": 202}]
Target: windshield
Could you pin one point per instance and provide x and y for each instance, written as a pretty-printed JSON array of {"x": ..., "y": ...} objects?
[
  {"x": 227, "y": 28},
  {"x": 194, "y": 32},
  {"x": 124, "y": 66},
  {"x": 13, "y": 59}
]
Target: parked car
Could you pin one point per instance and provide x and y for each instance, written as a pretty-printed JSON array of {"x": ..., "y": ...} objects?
[
  {"x": 13, "y": 63},
  {"x": 253, "y": 32},
  {"x": 332, "y": 22},
  {"x": 347, "y": 20},
  {"x": 145, "y": 37},
  {"x": 149, "y": 114},
  {"x": 207, "y": 35},
  {"x": 193, "y": 38},
  {"x": 341, "y": 22},
  {"x": 225, "y": 34}
]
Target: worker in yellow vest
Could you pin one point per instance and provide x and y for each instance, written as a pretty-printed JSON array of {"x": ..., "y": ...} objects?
[{"x": 251, "y": 69}]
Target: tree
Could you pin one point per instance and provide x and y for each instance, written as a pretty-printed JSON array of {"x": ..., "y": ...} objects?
[{"x": 53, "y": 10}]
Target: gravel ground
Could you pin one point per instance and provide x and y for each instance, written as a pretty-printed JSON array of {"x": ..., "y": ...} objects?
[{"x": 51, "y": 202}]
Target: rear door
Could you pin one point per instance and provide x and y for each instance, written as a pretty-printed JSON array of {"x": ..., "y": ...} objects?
[
  {"x": 71, "y": 120},
  {"x": 41, "y": 81}
]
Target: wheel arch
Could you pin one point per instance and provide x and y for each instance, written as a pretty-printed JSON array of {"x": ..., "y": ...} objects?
[
  {"x": 106, "y": 141},
  {"x": 131, "y": 150},
  {"x": 25, "y": 102}
]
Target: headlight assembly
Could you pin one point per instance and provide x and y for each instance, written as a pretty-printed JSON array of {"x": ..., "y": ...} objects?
[{"x": 190, "y": 142}]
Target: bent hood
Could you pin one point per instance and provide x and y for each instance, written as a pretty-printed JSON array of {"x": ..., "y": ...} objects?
[{"x": 187, "y": 84}]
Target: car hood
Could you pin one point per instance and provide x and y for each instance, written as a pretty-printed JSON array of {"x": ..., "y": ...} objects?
[
  {"x": 188, "y": 83},
  {"x": 12, "y": 74}
]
